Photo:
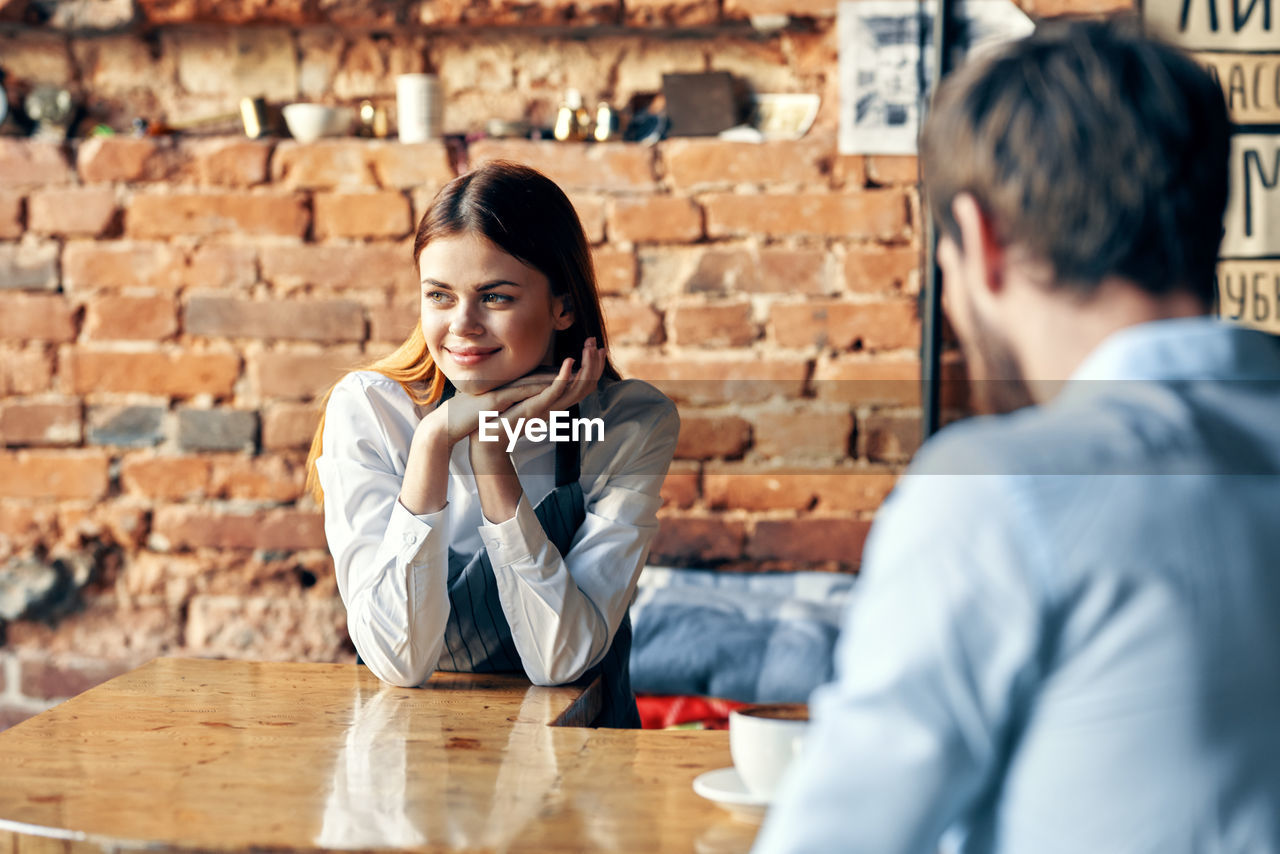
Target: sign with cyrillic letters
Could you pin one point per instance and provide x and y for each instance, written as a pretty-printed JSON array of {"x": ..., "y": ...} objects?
[
  {"x": 1253, "y": 208},
  {"x": 1232, "y": 25},
  {"x": 1249, "y": 293},
  {"x": 1250, "y": 82}
]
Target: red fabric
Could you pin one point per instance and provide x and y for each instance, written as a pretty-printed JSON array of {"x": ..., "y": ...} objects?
[{"x": 662, "y": 712}]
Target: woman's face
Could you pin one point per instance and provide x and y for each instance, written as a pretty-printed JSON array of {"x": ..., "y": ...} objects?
[{"x": 487, "y": 318}]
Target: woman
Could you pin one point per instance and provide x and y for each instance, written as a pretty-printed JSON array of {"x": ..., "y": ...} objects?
[{"x": 450, "y": 552}]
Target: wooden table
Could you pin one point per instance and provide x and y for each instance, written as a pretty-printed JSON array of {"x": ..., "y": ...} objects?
[{"x": 187, "y": 755}]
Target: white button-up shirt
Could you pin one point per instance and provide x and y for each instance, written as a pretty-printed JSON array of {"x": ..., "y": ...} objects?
[{"x": 392, "y": 566}]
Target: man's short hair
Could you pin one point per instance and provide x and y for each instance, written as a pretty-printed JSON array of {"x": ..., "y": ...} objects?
[{"x": 1100, "y": 150}]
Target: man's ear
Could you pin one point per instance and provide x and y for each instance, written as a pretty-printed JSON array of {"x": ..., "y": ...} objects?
[
  {"x": 982, "y": 253},
  {"x": 562, "y": 310}
]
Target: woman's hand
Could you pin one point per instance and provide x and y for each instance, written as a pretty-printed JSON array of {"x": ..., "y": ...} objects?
[
  {"x": 497, "y": 483},
  {"x": 564, "y": 389},
  {"x": 459, "y": 416}
]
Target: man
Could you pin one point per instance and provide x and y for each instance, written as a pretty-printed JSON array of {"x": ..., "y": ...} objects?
[{"x": 1067, "y": 638}]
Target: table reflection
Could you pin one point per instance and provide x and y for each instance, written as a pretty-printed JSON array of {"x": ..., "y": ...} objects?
[{"x": 407, "y": 776}]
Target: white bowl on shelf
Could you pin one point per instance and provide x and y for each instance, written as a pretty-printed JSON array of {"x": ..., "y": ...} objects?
[
  {"x": 785, "y": 115},
  {"x": 309, "y": 122}
]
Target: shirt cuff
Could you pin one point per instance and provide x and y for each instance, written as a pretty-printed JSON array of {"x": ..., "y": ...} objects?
[
  {"x": 409, "y": 532},
  {"x": 516, "y": 539}
]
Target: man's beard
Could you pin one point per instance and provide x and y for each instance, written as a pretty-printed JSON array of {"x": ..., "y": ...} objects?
[{"x": 998, "y": 383}]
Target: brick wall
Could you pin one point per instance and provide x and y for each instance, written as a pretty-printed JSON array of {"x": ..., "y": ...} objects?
[{"x": 170, "y": 309}]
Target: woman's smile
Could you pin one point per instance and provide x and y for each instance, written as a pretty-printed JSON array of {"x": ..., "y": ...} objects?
[{"x": 466, "y": 356}]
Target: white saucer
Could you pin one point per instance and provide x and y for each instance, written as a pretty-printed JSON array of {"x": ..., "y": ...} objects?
[{"x": 726, "y": 788}]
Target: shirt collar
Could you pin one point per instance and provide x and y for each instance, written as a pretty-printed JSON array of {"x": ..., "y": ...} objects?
[{"x": 1184, "y": 348}]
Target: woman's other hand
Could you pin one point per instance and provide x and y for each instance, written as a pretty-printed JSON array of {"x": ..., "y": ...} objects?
[
  {"x": 459, "y": 416},
  {"x": 564, "y": 389}
]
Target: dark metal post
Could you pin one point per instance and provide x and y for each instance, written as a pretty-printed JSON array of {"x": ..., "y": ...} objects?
[{"x": 931, "y": 294}]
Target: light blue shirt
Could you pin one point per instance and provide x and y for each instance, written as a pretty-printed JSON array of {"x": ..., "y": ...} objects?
[{"x": 1067, "y": 637}]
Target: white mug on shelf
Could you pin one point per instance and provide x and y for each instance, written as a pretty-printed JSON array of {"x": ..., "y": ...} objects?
[{"x": 419, "y": 107}]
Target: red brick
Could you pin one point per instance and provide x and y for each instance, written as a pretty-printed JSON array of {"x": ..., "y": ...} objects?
[
  {"x": 230, "y": 162},
  {"x": 716, "y": 325},
  {"x": 310, "y": 320},
  {"x": 810, "y": 540},
  {"x": 367, "y": 265},
  {"x": 615, "y": 270},
  {"x": 824, "y": 490},
  {"x": 117, "y": 158},
  {"x": 704, "y": 437},
  {"x": 882, "y": 269},
  {"x": 591, "y": 213},
  {"x": 167, "y": 478},
  {"x": 200, "y": 214},
  {"x": 603, "y": 167},
  {"x": 362, "y": 214},
  {"x": 655, "y": 219},
  {"x": 410, "y": 165},
  {"x": 868, "y": 214},
  {"x": 862, "y": 381},
  {"x": 886, "y": 169},
  {"x": 30, "y": 163},
  {"x": 846, "y": 325},
  {"x": 29, "y": 265},
  {"x": 322, "y": 165},
  {"x": 182, "y": 527},
  {"x": 287, "y": 426},
  {"x": 53, "y": 474},
  {"x": 25, "y": 370},
  {"x": 180, "y": 375},
  {"x": 1054, "y": 8},
  {"x": 682, "y": 485},
  {"x": 47, "y": 677},
  {"x": 24, "y": 525},
  {"x": 36, "y": 317},
  {"x": 112, "y": 265},
  {"x": 126, "y": 524},
  {"x": 671, "y": 13},
  {"x": 795, "y": 8},
  {"x": 222, "y": 267},
  {"x": 40, "y": 422},
  {"x": 295, "y": 375},
  {"x": 269, "y": 477},
  {"x": 11, "y": 227},
  {"x": 702, "y": 163},
  {"x": 721, "y": 380},
  {"x": 888, "y": 437},
  {"x": 849, "y": 171},
  {"x": 692, "y": 540},
  {"x": 803, "y": 434},
  {"x": 117, "y": 317},
  {"x": 393, "y": 323},
  {"x": 793, "y": 271},
  {"x": 697, "y": 270},
  {"x": 88, "y": 211},
  {"x": 630, "y": 322}
]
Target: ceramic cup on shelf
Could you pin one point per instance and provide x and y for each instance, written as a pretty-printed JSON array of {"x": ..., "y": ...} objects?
[
  {"x": 763, "y": 740},
  {"x": 419, "y": 107}
]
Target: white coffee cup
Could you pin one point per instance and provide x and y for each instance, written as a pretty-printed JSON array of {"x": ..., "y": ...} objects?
[
  {"x": 763, "y": 740},
  {"x": 419, "y": 107}
]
